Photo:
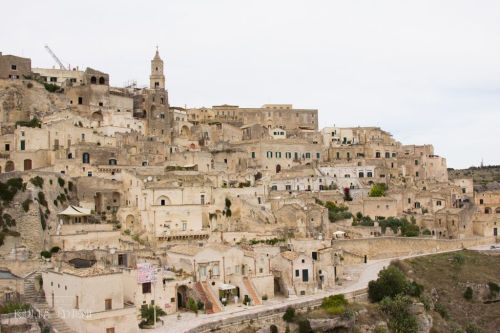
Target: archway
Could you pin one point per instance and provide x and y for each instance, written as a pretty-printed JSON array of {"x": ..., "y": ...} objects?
[
  {"x": 487, "y": 210},
  {"x": 97, "y": 116},
  {"x": 27, "y": 164},
  {"x": 163, "y": 201},
  {"x": 278, "y": 168},
  {"x": 185, "y": 131},
  {"x": 93, "y": 80},
  {"x": 181, "y": 297},
  {"x": 9, "y": 166},
  {"x": 102, "y": 80}
]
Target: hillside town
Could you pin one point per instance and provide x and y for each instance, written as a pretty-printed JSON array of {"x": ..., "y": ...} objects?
[{"x": 122, "y": 213}]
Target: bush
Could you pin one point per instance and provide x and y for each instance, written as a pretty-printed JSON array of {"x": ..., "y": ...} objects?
[
  {"x": 273, "y": 329},
  {"x": 334, "y": 305},
  {"x": 305, "y": 326},
  {"x": 414, "y": 289},
  {"x": 11, "y": 307},
  {"x": 46, "y": 254},
  {"x": 468, "y": 293},
  {"x": 200, "y": 305},
  {"x": 33, "y": 123},
  {"x": 37, "y": 181},
  {"x": 60, "y": 181},
  {"x": 55, "y": 249},
  {"x": 494, "y": 289},
  {"x": 377, "y": 190},
  {"x": 426, "y": 232},
  {"x": 50, "y": 87},
  {"x": 148, "y": 314},
  {"x": 458, "y": 259},
  {"x": 391, "y": 282},
  {"x": 289, "y": 314},
  {"x": 472, "y": 328},
  {"x": 9, "y": 190},
  {"x": 441, "y": 309},
  {"x": 191, "y": 305},
  {"x": 398, "y": 310}
]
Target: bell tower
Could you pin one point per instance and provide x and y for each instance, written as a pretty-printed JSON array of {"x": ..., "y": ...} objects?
[{"x": 157, "y": 79}]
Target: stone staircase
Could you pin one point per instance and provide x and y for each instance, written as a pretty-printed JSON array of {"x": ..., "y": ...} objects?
[
  {"x": 37, "y": 302},
  {"x": 252, "y": 293},
  {"x": 216, "y": 304}
]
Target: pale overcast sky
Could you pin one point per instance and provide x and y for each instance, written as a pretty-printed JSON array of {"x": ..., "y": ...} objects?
[{"x": 426, "y": 71}]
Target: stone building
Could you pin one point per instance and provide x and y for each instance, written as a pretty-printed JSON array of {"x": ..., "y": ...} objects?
[{"x": 14, "y": 67}]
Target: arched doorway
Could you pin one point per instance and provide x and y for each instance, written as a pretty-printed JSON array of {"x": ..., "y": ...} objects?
[
  {"x": 181, "y": 297},
  {"x": 27, "y": 164},
  {"x": 102, "y": 80},
  {"x": 185, "y": 131},
  {"x": 278, "y": 168},
  {"x": 93, "y": 80},
  {"x": 9, "y": 166}
]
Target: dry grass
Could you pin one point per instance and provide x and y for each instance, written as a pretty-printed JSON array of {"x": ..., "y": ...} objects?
[{"x": 445, "y": 274}]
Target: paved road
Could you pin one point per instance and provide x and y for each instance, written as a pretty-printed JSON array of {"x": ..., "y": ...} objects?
[{"x": 367, "y": 273}]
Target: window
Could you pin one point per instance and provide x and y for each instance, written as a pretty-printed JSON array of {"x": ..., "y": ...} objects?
[
  {"x": 13, "y": 67},
  {"x": 202, "y": 199},
  {"x": 416, "y": 162},
  {"x": 416, "y": 174},
  {"x": 23, "y": 145},
  {"x": 481, "y": 201},
  {"x": 108, "y": 304},
  {"x": 162, "y": 202},
  {"x": 377, "y": 154},
  {"x": 297, "y": 273},
  {"x": 202, "y": 270},
  {"x": 315, "y": 255},
  {"x": 7, "y": 147},
  {"x": 184, "y": 226},
  {"x": 253, "y": 154},
  {"x": 89, "y": 174},
  {"x": 269, "y": 154},
  {"x": 438, "y": 203},
  {"x": 86, "y": 158},
  {"x": 288, "y": 155},
  {"x": 110, "y": 330},
  {"x": 53, "y": 79},
  {"x": 318, "y": 155},
  {"x": 146, "y": 288},
  {"x": 80, "y": 100},
  {"x": 77, "y": 302},
  {"x": 387, "y": 155},
  {"x": 278, "y": 154},
  {"x": 308, "y": 155},
  {"x": 369, "y": 174}
]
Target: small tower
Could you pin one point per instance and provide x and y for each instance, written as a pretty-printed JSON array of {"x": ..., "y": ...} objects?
[{"x": 157, "y": 79}]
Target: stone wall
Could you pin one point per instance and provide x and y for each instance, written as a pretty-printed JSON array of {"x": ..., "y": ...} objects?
[
  {"x": 387, "y": 247},
  {"x": 266, "y": 317}
]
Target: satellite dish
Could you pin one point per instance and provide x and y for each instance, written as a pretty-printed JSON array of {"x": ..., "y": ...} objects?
[{"x": 150, "y": 179}]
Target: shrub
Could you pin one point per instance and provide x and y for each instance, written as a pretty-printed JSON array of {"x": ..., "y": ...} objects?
[
  {"x": 334, "y": 305},
  {"x": 377, "y": 190},
  {"x": 426, "y": 232},
  {"x": 458, "y": 259},
  {"x": 33, "y": 123},
  {"x": 246, "y": 300},
  {"x": 61, "y": 181},
  {"x": 414, "y": 289},
  {"x": 289, "y": 314},
  {"x": 50, "y": 87},
  {"x": 55, "y": 249},
  {"x": 191, "y": 305},
  {"x": 441, "y": 309},
  {"x": 46, "y": 254},
  {"x": 472, "y": 328},
  {"x": 148, "y": 314},
  {"x": 468, "y": 293},
  {"x": 391, "y": 282},
  {"x": 200, "y": 305},
  {"x": 11, "y": 307},
  {"x": 56, "y": 203},
  {"x": 398, "y": 310},
  {"x": 494, "y": 289},
  {"x": 273, "y": 329},
  {"x": 9, "y": 190},
  {"x": 29, "y": 85},
  {"x": 37, "y": 181},
  {"x": 305, "y": 326}
]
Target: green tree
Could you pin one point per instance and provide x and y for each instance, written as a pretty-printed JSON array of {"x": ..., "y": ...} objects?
[
  {"x": 289, "y": 314},
  {"x": 148, "y": 314},
  {"x": 391, "y": 282},
  {"x": 400, "y": 318}
]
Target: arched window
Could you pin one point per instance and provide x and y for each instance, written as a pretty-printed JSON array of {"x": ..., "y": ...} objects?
[
  {"x": 86, "y": 158},
  {"x": 102, "y": 80},
  {"x": 93, "y": 80},
  {"x": 112, "y": 161},
  {"x": 163, "y": 201},
  {"x": 487, "y": 210}
]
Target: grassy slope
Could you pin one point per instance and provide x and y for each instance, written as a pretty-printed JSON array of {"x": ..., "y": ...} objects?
[{"x": 440, "y": 272}]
